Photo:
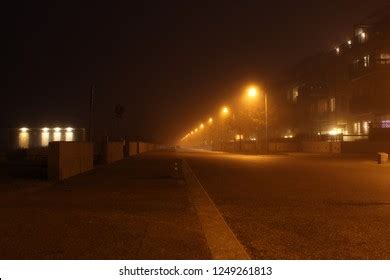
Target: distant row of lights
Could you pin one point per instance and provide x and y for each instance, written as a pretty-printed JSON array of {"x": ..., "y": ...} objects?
[
  {"x": 201, "y": 126},
  {"x": 363, "y": 37},
  {"x": 46, "y": 129}
]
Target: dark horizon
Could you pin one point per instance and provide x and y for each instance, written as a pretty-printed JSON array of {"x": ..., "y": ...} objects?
[{"x": 170, "y": 66}]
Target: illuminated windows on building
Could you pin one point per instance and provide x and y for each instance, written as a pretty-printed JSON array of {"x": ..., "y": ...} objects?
[
  {"x": 383, "y": 59},
  {"x": 366, "y": 61},
  {"x": 357, "y": 128},
  {"x": 322, "y": 106},
  {"x": 293, "y": 95},
  {"x": 366, "y": 127},
  {"x": 332, "y": 104}
]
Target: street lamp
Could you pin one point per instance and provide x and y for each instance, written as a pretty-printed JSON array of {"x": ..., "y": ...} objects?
[
  {"x": 225, "y": 110},
  {"x": 252, "y": 92},
  {"x": 210, "y": 120}
]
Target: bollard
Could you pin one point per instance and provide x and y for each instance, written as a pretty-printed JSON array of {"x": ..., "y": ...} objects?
[
  {"x": 178, "y": 169},
  {"x": 383, "y": 158}
]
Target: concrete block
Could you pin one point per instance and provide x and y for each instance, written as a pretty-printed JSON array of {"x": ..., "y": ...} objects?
[
  {"x": 113, "y": 151},
  {"x": 133, "y": 150},
  {"x": 383, "y": 158},
  {"x": 67, "y": 159}
]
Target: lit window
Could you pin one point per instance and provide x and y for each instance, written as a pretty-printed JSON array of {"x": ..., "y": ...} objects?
[
  {"x": 366, "y": 127},
  {"x": 384, "y": 58},
  {"x": 363, "y": 37},
  {"x": 366, "y": 61},
  {"x": 322, "y": 106},
  {"x": 356, "y": 128},
  {"x": 24, "y": 139},
  {"x": 295, "y": 95},
  {"x": 333, "y": 104}
]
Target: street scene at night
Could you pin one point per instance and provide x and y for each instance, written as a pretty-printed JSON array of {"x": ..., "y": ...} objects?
[{"x": 145, "y": 134}]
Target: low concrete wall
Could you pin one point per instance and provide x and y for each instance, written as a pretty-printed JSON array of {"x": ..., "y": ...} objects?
[
  {"x": 113, "y": 151},
  {"x": 145, "y": 147},
  {"x": 133, "y": 148},
  {"x": 321, "y": 147},
  {"x": 365, "y": 147},
  {"x": 283, "y": 147},
  {"x": 67, "y": 159}
]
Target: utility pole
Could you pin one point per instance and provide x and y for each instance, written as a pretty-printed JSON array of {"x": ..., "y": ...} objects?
[{"x": 92, "y": 90}]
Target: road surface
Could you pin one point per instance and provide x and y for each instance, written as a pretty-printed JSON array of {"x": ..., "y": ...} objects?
[{"x": 301, "y": 206}]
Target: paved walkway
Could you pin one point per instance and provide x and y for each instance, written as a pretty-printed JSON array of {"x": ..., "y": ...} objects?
[{"x": 133, "y": 209}]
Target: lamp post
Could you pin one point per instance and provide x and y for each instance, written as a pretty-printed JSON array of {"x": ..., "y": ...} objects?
[{"x": 252, "y": 94}]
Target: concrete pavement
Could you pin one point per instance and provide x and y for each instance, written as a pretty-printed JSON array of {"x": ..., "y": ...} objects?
[{"x": 132, "y": 209}]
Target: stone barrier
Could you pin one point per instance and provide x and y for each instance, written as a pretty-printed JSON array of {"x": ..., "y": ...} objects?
[
  {"x": 67, "y": 159},
  {"x": 113, "y": 152}
]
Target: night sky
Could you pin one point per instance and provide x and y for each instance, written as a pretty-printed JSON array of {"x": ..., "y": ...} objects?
[{"x": 169, "y": 63}]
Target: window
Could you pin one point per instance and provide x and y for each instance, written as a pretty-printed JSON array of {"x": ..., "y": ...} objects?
[
  {"x": 322, "y": 106},
  {"x": 295, "y": 95},
  {"x": 366, "y": 61},
  {"x": 333, "y": 104},
  {"x": 384, "y": 58},
  {"x": 292, "y": 95},
  {"x": 356, "y": 128},
  {"x": 366, "y": 127}
]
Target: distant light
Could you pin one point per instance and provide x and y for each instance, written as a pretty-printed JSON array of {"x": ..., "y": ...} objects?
[
  {"x": 196, "y": 130},
  {"x": 69, "y": 129},
  {"x": 210, "y": 120},
  {"x": 363, "y": 35},
  {"x": 252, "y": 92},
  {"x": 337, "y": 50},
  {"x": 57, "y": 129},
  {"x": 349, "y": 42},
  {"x": 45, "y": 129},
  {"x": 225, "y": 110},
  {"x": 23, "y": 129},
  {"x": 335, "y": 131}
]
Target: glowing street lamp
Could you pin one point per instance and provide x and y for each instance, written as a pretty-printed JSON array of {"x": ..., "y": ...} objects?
[
  {"x": 252, "y": 92},
  {"x": 210, "y": 120},
  {"x": 225, "y": 110},
  {"x": 201, "y": 126}
]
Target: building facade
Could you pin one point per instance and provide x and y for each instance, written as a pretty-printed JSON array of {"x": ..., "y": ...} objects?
[{"x": 346, "y": 90}]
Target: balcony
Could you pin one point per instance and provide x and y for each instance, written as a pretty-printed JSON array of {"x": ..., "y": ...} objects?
[{"x": 363, "y": 67}]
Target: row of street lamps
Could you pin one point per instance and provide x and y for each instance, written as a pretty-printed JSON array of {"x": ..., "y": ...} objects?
[{"x": 251, "y": 95}]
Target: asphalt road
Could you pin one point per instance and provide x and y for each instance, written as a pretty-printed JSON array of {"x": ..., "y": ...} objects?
[{"x": 300, "y": 206}]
